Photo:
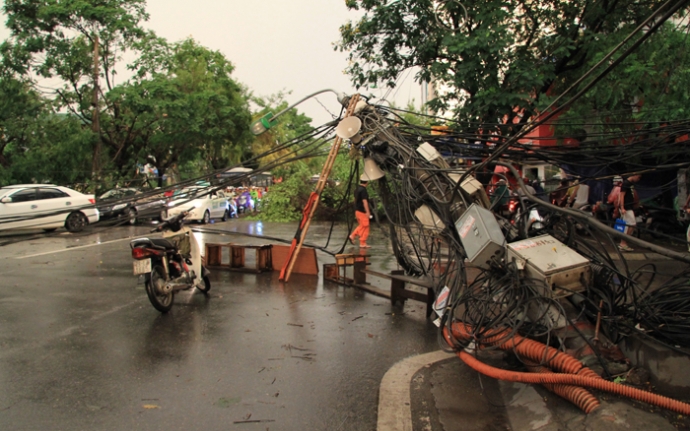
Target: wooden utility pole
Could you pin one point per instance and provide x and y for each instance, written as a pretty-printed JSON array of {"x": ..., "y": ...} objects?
[
  {"x": 313, "y": 201},
  {"x": 95, "y": 124}
]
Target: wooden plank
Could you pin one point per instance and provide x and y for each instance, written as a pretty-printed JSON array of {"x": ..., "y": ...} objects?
[
  {"x": 417, "y": 296},
  {"x": 236, "y": 256},
  {"x": 214, "y": 255},
  {"x": 305, "y": 262},
  {"x": 422, "y": 282}
]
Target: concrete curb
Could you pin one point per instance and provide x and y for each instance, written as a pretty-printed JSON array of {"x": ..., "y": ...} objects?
[{"x": 395, "y": 412}]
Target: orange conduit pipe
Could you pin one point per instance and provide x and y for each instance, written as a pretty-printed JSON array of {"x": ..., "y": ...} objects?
[
  {"x": 571, "y": 379},
  {"x": 537, "y": 352},
  {"x": 531, "y": 349},
  {"x": 581, "y": 397}
]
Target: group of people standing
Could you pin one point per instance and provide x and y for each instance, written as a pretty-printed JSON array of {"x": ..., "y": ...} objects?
[
  {"x": 623, "y": 199},
  {"x": 245, "y": 199},
  {"x": 572, "y": 194}
]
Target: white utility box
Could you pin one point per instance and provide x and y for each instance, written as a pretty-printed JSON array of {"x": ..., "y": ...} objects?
[
  {"x": 481, "y": 236},
  {"x": 428, "y": 152},
  {"x": 476, "y": 191},
  {"x": 559, "y": 266}
]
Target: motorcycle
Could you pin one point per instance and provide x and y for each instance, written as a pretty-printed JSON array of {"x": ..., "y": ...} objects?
[
  {"x": 661, "y": 222},
  {"x": 170, "y": 264}
]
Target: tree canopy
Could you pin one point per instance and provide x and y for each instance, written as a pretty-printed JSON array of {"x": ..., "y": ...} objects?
[
  {"x": 504, "y": 60},
  {"x": 178, "y": 103}
]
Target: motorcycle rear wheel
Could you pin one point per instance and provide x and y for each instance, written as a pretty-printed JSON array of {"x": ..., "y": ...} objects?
[{"x": 161, "y": 302}]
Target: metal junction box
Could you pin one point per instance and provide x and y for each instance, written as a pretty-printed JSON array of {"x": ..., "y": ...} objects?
[
  {"x": 481, "y": 235},
  {"x": 547, "y": 259}
]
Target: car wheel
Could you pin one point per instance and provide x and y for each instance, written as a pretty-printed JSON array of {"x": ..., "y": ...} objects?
[
  {"x": 132, "y": 216},
  {"x": 225, "y": 216},
  {"x": 207, "y": 218},
  {"x": 76, "y": 222}
]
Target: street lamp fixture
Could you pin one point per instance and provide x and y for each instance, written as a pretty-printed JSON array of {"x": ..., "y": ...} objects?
[
  {"x": 264, "y": 123},
  {"x": 269, "y": 120}
]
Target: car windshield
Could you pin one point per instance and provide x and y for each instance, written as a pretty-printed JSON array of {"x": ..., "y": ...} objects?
[
  {"x": 118, "y": 193},
  {"x": 5, "y": 191},
  {"x": 189, "y": 193}
]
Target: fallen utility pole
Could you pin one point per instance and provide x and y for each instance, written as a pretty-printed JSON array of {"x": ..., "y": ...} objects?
[{"x": 313, "y": 201}]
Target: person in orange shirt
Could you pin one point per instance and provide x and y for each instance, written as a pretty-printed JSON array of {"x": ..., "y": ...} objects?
[{"x": 362, "y": 214}]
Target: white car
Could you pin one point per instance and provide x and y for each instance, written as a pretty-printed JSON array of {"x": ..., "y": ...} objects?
[
  {"x": 203, "y": 208},
  {"x": 45, "y": 206}
]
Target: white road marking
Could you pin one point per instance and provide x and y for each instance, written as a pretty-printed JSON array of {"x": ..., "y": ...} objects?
[{"x": 74, "y": 248}]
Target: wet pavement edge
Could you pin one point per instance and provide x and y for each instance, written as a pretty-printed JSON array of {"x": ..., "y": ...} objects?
[{"x": 395, "y": 410}]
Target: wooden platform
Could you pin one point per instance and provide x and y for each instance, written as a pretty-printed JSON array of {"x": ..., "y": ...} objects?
[
  {"x": 236, "y": 258},
  {"x": 338, "y": 272},
  {"x": 400, "y": 293},
  {"x": 268, "y": 257}
]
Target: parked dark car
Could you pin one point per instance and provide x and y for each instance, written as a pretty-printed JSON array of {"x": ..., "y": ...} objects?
[{"x": 130, "y": 204}]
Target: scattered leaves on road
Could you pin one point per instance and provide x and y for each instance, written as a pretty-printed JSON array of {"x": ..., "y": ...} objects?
[{"x": 227, "y": 402}]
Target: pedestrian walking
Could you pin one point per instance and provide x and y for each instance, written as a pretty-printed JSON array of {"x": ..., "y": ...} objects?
[
  {"x": 626, "y": 203},
  {"x": 362, "y": 214}
]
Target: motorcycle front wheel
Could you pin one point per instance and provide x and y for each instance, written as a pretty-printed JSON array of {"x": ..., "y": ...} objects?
[
  {"x": 154, "y": 282},
  {"x": 206, "y": 286}
]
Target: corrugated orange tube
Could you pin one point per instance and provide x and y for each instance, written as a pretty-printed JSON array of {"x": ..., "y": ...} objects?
[
  {"x": 571, "y": 379},
  {"x": 581, "y": 397},
  {"x": 537, "y": 352},
  {"x": 531, "y": 349}
]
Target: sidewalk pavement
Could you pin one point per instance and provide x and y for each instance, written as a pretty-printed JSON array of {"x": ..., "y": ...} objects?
[{"x": 437, "y": 391}]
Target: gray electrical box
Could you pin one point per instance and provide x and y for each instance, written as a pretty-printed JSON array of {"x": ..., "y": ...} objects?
[
  {"x": 546, "y": 258},
  {"x": 481, "y": 235}
]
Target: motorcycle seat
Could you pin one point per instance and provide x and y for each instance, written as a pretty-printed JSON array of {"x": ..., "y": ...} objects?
[{"x": 160, "y": 243}]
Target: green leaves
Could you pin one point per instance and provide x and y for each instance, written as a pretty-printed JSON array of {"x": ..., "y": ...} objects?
[
  {"x": 180, "y": 106},
  {"x": 509, "y": 54},
  {"x": 48, "y": 31}
]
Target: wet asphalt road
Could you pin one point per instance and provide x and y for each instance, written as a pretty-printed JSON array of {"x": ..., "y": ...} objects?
[{"x": 81, "y": 348}]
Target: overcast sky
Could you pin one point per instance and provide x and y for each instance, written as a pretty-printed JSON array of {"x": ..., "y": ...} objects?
[{"x": 275, "y": 45}]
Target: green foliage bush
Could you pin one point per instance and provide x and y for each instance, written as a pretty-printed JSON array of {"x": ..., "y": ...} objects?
[{"x": 285, "y": 201}]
